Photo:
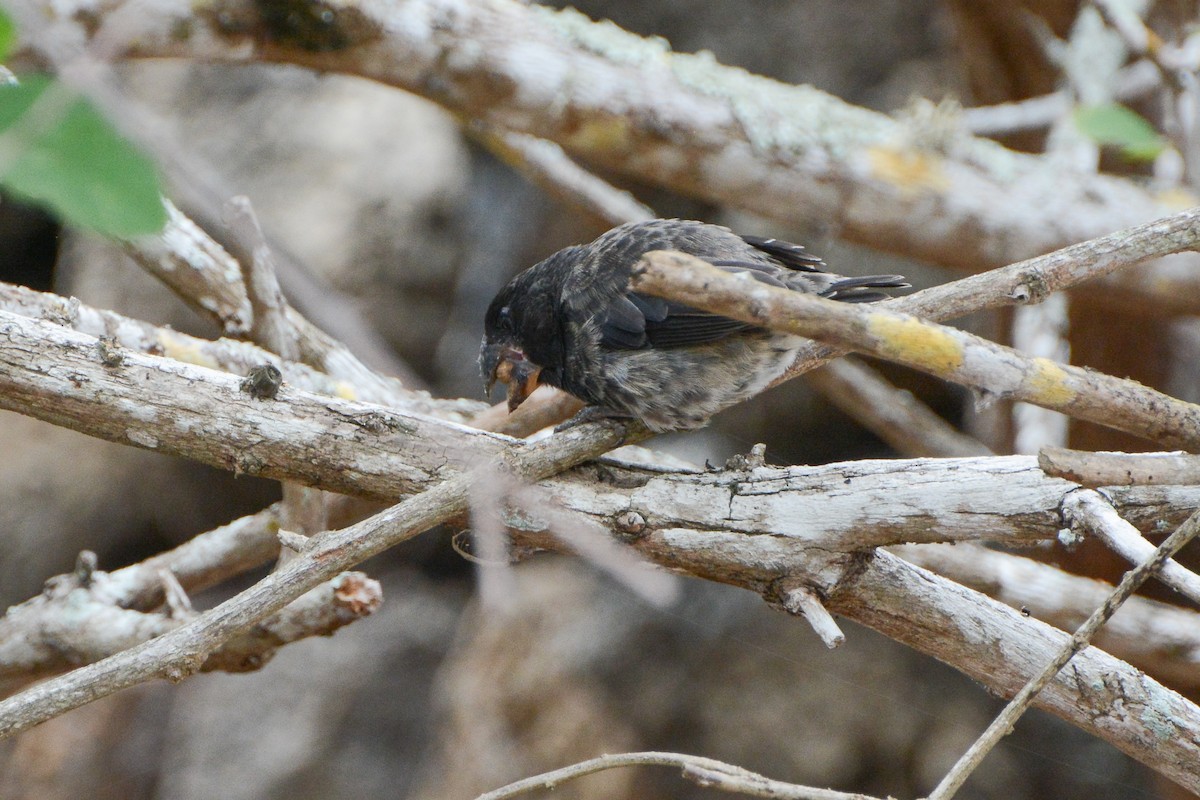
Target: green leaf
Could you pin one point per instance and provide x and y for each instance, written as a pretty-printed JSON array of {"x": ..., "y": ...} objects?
[
  {"x": 67, "y": 157},
  {"x": 8, "y": 35},
  {"x": 1119, "y": 126}
]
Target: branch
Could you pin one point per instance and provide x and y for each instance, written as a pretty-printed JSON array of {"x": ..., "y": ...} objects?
[
  {"x": 229, "y": 355},
  {"x": 1006, "y": 719},
  {"x": 550, "y": 167},
  {"x": 178, "y": 653},
  {"x": 706, "y": 772},
  {"x": 1160, "y": 638},
  {"x": 370, "y": 451},
  {"x": 958, "y": 626},
  {"x": 785, "y": 152},
  {"x": 1033, "y": 280},
  {"x": 164, "y": 405},
  {"x": 1089, "y": 511},
  {"x": 1094, "y": 469},
  {"x": 80, "y": 618},
  {"x": 208, "y": 279},
  {"x": 755, "y": 562},
  {"x": 951, "y": 354},
  {"x": 894, "y": 415}
]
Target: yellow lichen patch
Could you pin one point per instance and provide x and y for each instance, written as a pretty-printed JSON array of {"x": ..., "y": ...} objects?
[
  {"x": 606, "y": 134},
  {"x": 912, "y": 341},
  {"x": 186, "y": 350},
  {"x": 910, "y": 170},
  {"x": 1047, "y": 384},
  {"x": 345, "y": 391}
]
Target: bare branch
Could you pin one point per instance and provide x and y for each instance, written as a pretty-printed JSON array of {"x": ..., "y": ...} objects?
[
  {"x": 802, "y": 601},
  {"x": 1135, "y": 81},
  {"x": 78, "y": 622},
  {"x": 707, "y": 772},
  {"x": 269, "y": 324},
  {"x": 894, "y": 415},
  {"x": 551, "y": 168},
  {"x": 1094, "y": 469},
  {"x": 948, "y": 353},
  {"x": 1033, "y": 280},
  {"x": 1088, "y": 510},
  {"x": 1160, "y": 638},
  {"x": 230, "y": 355},
  {"x": 1097, "y": 691},
  {"x": 180, "y": 652},
  {"x": 162, "y": 404},
  {"x": 205, "y": 276},
  {"x": 1040, "y": 331},
  {"x": 1004, "y": 722}
]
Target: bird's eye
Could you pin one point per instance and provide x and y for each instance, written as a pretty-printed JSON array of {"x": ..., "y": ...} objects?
[{"x": 504, "y": 318}]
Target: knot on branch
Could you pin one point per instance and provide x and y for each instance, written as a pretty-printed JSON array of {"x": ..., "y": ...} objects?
[{"x": 1032, "y": 290}]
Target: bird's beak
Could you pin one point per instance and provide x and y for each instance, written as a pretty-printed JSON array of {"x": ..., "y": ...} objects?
[{"x": 509, "y": 366}]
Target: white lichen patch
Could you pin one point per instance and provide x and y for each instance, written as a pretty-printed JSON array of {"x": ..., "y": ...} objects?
[{"x": 141, "y": 438}]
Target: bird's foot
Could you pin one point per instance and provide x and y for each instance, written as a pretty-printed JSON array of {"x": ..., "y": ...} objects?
[{"x": 593, "y": 414}]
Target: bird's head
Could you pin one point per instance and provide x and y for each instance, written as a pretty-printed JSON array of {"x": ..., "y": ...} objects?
[
  {"x": 523, "y": 331},
  {"x": 502, "y": 355}
]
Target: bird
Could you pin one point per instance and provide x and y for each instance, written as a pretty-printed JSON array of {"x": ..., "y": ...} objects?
[{"x": 572, "y": 321}]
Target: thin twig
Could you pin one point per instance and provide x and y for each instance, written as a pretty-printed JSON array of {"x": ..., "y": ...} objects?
[
  {"x": 269, "y": 327},
  {"x": 706, "y": 772},
  {"x": 182, "y": 651},
  {"x": 1004, "y": 722}
]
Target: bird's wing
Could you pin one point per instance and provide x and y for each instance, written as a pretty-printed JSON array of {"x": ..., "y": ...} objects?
[
  {"x": 634, "y": 320},
  {"x": 638, "y": 320},
  {"x": 792, "y": 256}
]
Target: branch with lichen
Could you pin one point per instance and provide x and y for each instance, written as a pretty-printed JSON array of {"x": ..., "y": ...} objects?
[
  {"x": 986, "y": 367},
  {"x": 685, "y": 122}
]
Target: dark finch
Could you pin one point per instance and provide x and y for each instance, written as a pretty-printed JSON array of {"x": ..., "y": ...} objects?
[{"x": 572, "y": 322}]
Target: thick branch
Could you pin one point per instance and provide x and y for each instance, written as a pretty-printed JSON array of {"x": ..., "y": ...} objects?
[
  {"x": 1002, "y": 725},
  {"x": 161, "y": 404},
  {"x": 370, "y": 451},
  {"x": 683, "y": 121},
  {"x": 230, "y": 355},
  {"x": 998, "y": 646}
]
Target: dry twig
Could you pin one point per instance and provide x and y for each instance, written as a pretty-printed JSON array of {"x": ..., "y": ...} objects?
[
  {"x": 707, "y": 772},
  {"x": 1004, "y": 722}
]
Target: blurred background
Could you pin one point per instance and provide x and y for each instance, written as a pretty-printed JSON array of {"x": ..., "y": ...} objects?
[{"x": 399, "y": 218}]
